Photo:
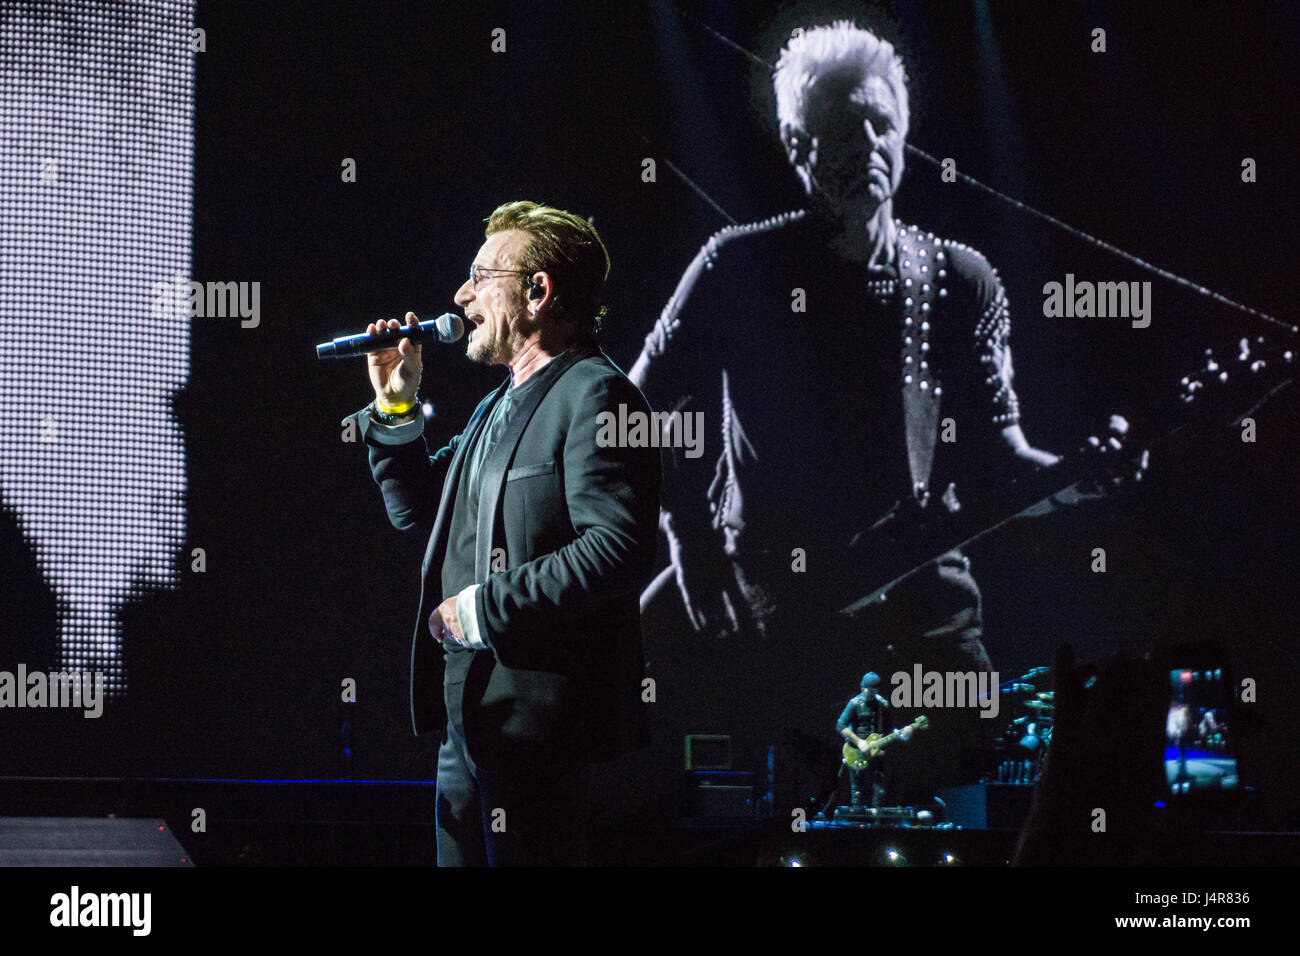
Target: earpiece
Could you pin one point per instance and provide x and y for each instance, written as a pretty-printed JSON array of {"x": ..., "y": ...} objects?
[{"x": 536, "y": 292}]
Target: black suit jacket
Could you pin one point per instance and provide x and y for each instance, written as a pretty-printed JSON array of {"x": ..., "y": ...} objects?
[{"x": 578, "y": 525}]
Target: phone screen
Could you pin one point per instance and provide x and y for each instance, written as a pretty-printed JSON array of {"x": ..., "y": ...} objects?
[{"x": 1199, "y": 754}]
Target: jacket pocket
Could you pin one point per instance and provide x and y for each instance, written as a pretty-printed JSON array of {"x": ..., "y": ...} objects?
[{"x": 530, "y": 471}]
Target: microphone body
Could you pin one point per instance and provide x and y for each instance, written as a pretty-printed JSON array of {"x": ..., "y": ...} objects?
[{"x": 445, "y": 328}]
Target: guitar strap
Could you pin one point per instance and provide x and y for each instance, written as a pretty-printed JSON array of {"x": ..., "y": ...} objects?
[{"x": 920, "y": 257}]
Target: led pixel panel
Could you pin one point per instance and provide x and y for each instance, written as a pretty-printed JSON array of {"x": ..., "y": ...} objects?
[{"x": 96, "y": 169}]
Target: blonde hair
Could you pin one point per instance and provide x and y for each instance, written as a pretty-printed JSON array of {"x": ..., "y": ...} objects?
[
  {"x": 568, "y": 249},
  {"x": 822, "y": 51}
]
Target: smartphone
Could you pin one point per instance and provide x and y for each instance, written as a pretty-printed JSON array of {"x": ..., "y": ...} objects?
[{"x": 1200, "y": 753}]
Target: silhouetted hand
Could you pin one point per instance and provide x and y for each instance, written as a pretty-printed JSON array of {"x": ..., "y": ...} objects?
[{"x": 1104, "y": 770}]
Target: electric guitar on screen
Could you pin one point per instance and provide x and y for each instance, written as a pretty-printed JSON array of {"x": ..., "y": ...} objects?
[{"x": 908, "y": 539}]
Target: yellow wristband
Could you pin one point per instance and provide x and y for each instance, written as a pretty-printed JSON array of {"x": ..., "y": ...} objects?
[{"x": 394, "y": 409}]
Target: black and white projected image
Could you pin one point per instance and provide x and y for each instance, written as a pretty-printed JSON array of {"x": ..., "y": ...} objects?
[{"x": 96, "y": 120}]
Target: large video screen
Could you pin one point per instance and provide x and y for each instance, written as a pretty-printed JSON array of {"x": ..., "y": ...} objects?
[{"x": 97, "y": 117}]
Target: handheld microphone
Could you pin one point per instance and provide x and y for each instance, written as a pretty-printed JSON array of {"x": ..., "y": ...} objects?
[{"x": 445, "y": 328}]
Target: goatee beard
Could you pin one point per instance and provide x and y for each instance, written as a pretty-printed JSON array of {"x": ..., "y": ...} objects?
[
  {"x": 490, "y": 349},
  {"x": 482, "y": 350}
]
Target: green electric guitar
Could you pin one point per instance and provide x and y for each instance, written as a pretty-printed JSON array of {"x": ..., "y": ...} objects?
[{"x": 856, "y": 759}]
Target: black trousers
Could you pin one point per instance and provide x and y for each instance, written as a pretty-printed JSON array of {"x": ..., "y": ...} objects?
[
  {"x": 867, "y": 786},
  {"x": 528, "y": 814}
]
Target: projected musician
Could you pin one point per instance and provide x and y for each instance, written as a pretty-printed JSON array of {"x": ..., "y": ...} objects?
[{"x": 831, "y": 345}]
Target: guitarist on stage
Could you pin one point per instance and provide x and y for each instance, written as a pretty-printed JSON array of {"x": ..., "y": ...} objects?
[{"x": 864, "y": 715}]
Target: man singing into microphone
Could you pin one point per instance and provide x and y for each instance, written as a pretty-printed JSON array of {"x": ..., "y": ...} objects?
[{"x": 527, "y": 655}]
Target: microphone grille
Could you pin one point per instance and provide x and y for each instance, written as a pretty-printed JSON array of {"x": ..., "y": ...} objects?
[{"x": 451, "y": 328}]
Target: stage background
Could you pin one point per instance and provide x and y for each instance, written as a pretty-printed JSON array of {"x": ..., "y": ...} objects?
[{"x": 236, "y": 671}]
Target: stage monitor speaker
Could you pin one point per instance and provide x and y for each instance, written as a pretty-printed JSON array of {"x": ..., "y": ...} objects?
[{"x": 719, "y": 797}]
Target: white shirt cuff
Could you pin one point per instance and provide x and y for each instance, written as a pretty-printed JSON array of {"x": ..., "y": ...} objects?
[{"x": 467, "y": 614}]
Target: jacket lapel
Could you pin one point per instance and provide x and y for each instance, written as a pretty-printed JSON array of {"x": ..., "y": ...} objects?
[
  {"x": 442, "y": 524},
  {"x": 492, "y": 481}
]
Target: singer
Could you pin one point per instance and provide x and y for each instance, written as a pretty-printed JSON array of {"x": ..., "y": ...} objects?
[{"x": 527, "y": 653}]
